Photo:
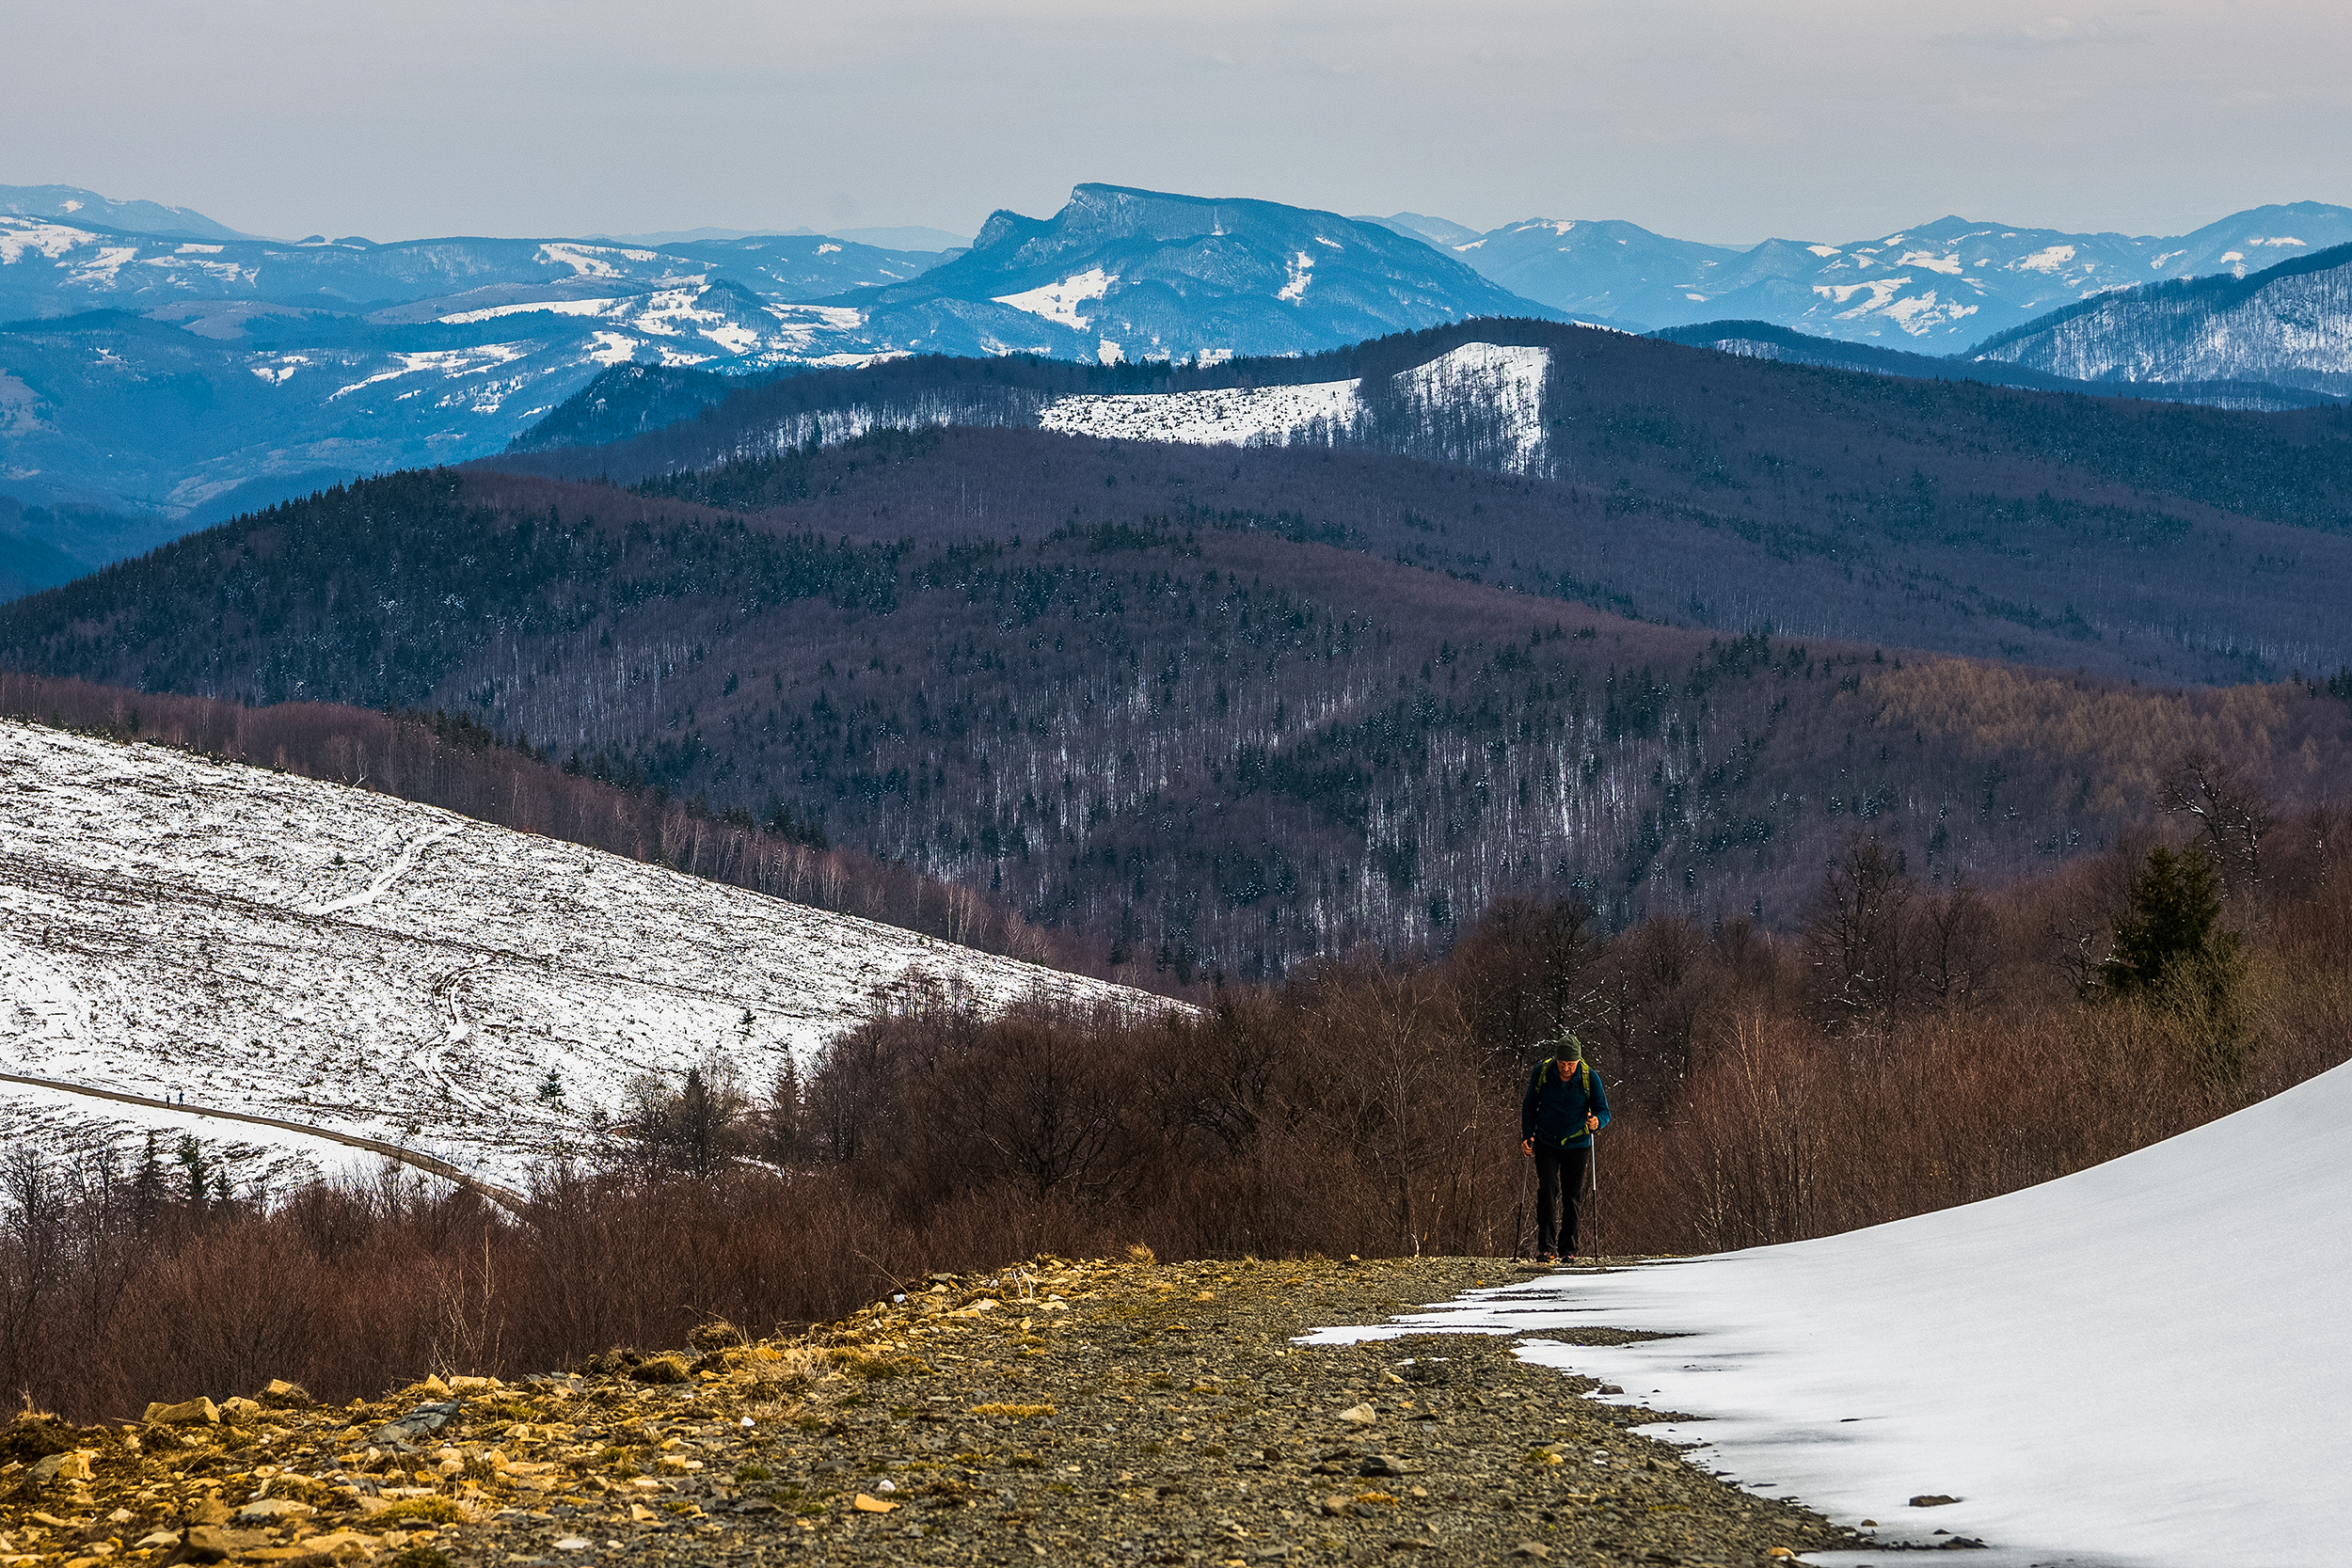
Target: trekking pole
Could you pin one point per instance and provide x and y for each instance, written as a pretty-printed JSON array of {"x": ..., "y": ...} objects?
[{"x": 1519, "y": 1215}]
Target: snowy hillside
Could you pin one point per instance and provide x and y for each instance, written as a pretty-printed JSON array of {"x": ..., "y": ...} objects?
[
  {"x": 263, "y": 943},
  {"x": 2075, "y": 1368},
  {"x": 1504, "y": 385},
  {"x": 139, "y": 372},
  {"x": 1938, "y": 287},
  {"x": 2290, "y": 326}
]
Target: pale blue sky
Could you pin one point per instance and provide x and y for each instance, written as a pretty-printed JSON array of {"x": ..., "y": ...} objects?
[{"x": 1702, "y": 118}]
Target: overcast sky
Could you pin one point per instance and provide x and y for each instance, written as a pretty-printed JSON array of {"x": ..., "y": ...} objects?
[{"x": 1702, "y": 118}]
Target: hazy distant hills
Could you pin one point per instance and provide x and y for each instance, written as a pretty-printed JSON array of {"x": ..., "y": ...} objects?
[
  {"x": 146, "y": 374},
  {"x": 73, "y": 204},
  {"x": 1765, "y": 341},
  {"x": 1937, "y": 288},
  {"x": 174, "y": 373},
  {"x": 52, "y": 268},
  {"x": 1122, "y": 273},
  {"x": 2290, "y": 327},
  {"x": 185, "y": 376}
]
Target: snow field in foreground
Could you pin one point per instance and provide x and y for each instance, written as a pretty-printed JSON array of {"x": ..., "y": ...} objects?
[
  {"x": 271, "y": 944},
  {"x": 2145, "y": 1363}
]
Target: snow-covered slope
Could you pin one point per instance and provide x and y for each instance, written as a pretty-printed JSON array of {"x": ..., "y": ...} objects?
[
  {"x": 1495, "y": 388},
  {"x": 1238, "y": 416},
  {"x": 265, "y": 944},
  {"x": 2141, "y": 1363},
  {"x": 2290, "y": 326}
]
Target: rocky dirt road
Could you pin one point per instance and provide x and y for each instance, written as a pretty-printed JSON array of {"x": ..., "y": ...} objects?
[{"x": 1065, "y": 1413}]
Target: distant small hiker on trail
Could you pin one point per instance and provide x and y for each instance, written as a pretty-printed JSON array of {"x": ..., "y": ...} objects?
[{"x": 1564, "y": 1105}]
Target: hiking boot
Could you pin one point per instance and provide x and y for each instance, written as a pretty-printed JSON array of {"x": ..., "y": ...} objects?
[{"x": 1547, "y": 1257}]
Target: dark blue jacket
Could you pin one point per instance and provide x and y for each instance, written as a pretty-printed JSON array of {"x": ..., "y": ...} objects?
[{"x": 1552, "y": 1113}]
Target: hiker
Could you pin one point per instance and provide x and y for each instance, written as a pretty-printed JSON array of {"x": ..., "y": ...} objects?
[{"x": 1564, "y": 1105}]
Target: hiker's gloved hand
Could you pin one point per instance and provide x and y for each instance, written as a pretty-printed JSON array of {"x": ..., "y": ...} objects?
[
  {"x": 1527, "y": 1145},
  {"x": 1592, "y": 1122}
]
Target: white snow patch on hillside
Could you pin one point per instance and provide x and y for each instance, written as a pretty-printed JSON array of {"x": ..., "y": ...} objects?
[
  {"x": 1302, "y": 269},
  {"x": 590, "y": 260},
  {"x": 275, "y": 945},
  {"x": 448, "y": 361},
  {"x": 2092, "y": 1383},
  {"x": 612, "y": 348},
  {"x": 1508, "y": 380},
  {"x": 549, "y": 307},
  {"x": 1238, "y": 416},
  {"x": 1060, "y": 302},
  {"x": 2049, "y": 258},
  {"x": 1928, "y": 258},
  {"x": 50, "y": 240}
]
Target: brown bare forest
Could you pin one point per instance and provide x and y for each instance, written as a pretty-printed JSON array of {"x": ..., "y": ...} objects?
[{"x": 1191, "y": 751}]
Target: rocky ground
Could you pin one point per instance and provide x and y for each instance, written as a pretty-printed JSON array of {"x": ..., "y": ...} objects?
[{"x": 1066, "y": 1411}]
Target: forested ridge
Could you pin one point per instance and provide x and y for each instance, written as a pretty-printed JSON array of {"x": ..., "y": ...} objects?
[
  {"x": 1199, "y": 739},
  {"x": 1667, "y": 482}
]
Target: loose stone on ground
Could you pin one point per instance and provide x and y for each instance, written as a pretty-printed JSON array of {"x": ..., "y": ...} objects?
[{"x": 1063, "y": 1412}]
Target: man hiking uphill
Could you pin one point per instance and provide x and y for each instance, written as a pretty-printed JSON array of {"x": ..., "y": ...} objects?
[{"x": 1564, "y": 1105}]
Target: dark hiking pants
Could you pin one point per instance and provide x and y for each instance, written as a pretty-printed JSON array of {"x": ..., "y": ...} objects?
[{"x": 1559, "y": 1179}]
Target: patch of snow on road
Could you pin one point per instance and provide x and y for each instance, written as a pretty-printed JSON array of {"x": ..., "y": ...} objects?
[
  {"x": 278, "y": 947},
  {"x": 2093, "y": 1386},
  {"x": 1060, "y": 302}
]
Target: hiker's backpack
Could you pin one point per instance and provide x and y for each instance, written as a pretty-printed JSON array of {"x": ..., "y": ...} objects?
[{"x": 1583, "y": 1075}]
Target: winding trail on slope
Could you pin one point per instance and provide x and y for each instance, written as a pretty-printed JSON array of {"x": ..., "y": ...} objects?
[
  {"x": 506, "y": 1198},
  {"x": 381, "y": 883}
]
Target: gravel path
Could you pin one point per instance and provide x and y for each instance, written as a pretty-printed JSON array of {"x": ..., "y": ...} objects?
[{"x": 1090, "y": 1413}]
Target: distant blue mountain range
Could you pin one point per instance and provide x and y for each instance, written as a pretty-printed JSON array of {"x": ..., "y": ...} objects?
[{"x": 164, "y": 369}]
